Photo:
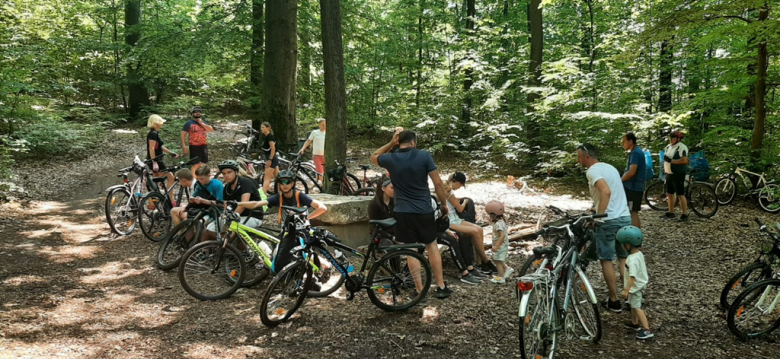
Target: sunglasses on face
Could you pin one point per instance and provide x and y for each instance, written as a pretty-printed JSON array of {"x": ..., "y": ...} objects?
[{"x": 285, "y": 181}]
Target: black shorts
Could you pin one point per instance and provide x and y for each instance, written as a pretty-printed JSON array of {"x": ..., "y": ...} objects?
[
  {"x": 415, "y": 227},
  {"x": 160, "y": 165},
  {"x": 201, "y": 152},
  {"x": 274, "y": 162},
  {"x": 634, "y": 199},
  {"x": 675, "y": 184}
]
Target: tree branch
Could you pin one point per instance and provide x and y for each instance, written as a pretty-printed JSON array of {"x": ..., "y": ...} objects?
[{"x": 708, "y": 18}]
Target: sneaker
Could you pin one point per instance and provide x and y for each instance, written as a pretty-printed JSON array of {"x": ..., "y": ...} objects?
[
  {"x": 509, "y": 272},
  {"x": 498, "y": 280},
  {"x": 630, "y": 325},
  {"x": 492, "y": 266},
  {"x": 470, "y": 279},
  {"x": 443, "y": 293},
  {"x": 644, "y": 334},
  {"x": 683, "y": 218},
  {"x": 614, "y": 307},
  {"x": 485, "y": 268},
  {"x": 476, "y": 273},
  {"x": 668, "y": 215}
]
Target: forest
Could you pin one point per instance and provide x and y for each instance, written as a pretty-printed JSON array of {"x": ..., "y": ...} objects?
[{"x": 510, "y": 86}]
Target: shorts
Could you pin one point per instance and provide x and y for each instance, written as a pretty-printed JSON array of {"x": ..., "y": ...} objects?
[
  {"x": 634, "y": 199},
  {"x": 274, "y": 162},
  {"x": 606, "y": 244},
  {"x": 247, "y": 221},
  {"x": 635, "y": 299},
  {"x": 415, "y": 227},
  {"x": 319, "y": 163},
  {"x": 201, "y": 152},
  {"x": 501, "y": 254},
  {"x": 675, "y": 184},
  {"x": 160, "y": 165}
]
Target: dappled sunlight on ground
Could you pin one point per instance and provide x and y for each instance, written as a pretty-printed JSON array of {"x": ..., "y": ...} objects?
[
  {"x": 429, "y": 314},
  {"x": 64, "y": 254},
  {"x": 23, "y": 280},
  {"x": 110, "y": 271}
]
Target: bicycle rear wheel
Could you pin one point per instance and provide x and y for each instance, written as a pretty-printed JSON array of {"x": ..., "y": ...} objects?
[
  {"x": 121, "y": 211},
  {"x": 256, "y": 270},
  {"x": 177, "y": 242},
  {"x": 655, "y": 196},
  {"x": 210, "y": 272},
  {"x": 769, "y": 198},
  {"x": 725, "y": 190},
  {"x": 365, "y": 191},
  {"x": 536, "y": 339},
  {"x": 586, "y": 311},
  {"x": 152, "y": 215},
  {"x": 285, "y": 294},
  {"x": 702, "y": 200},
  {"x": 754, "y": 312},
  {"x": 399, "y": 280},
  {"x": 753, "y": 273}
]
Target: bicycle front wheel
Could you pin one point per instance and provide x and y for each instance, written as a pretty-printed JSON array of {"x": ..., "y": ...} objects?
[
  {"x": 285, "y": 294},
  {"x": 655, "y": 196},
  {"x": 399, "y": 280},
  {"x": 702, "y": 200},
  {"x": 327, "y": 279},
  {"x": 754, "y": 312},
  {"x": 155, "y": 220},
  {"x": 769, "y": 198},
  {"x": 753, "y": 273},
  {"x": 121, "y": 213},
  {"x": 210, "y": 272},
  {"x": 725, "y": 190},
  {"x": 535, "y": 332}
]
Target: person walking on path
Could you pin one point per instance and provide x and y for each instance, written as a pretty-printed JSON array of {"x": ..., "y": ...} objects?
[
  {"x": 634, "y": 177},
  {"x": 606, "y": 190},
  {"x": 194, "y": 137},
  {"x": 675, "y": 168},
  {"x": 410, "y": 169},
  {"x": 318, "y": 151}
]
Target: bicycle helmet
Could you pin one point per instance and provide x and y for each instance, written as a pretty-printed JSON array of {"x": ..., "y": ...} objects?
[
  {"x": 676, "y": 133},
  {"x": 285, "y": 174},
  {"x": 631, "y": 235},
  {"x": 442, "y": 224},
  {"x": 495, "y": 208},
  {"x": 233, "y": 165},
  {"x": 196, "y": 109}
]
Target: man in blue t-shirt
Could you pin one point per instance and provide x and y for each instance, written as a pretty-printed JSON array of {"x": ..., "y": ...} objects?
[
  {"x": 206, "y": 189},
  {"x": 634, "y": 177},
  {"x": 410, "y": 169}
]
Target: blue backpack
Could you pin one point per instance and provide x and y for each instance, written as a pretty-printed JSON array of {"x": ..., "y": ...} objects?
[
  {"x": 649, "y": 172},
  {"x": 699, "y": 166}
]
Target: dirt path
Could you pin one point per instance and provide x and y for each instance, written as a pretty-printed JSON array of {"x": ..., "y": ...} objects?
[{"x": 69, "y": 289}]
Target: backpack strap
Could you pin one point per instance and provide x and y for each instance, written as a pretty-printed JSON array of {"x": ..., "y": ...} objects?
[{"x": 281, "y": 200}]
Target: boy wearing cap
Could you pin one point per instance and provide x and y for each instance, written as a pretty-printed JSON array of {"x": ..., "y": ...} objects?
[{"x": 318, "y": 151}]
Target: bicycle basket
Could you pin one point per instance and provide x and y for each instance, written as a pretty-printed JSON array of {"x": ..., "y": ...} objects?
[{"x": 337, "y": 174}]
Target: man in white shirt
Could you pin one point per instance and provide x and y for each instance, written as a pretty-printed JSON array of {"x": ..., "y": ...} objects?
[
  {"x": 318, "y": 151},
  {"x": 606, "y": 190}
]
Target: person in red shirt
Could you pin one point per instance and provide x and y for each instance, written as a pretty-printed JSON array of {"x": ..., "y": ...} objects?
[{"x": 196, "y": 129}]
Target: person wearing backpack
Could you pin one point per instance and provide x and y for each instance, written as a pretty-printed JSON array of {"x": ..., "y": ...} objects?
[
  {"x": 675, "y": 168},
  {"x": 634, "y": 177}
]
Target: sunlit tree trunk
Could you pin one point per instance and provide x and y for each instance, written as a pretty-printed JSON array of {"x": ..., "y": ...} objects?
[
  {"x": 335, "y": 89},
  {"x": 138, "y": 94},
  {"x": 279, "y": 70}
]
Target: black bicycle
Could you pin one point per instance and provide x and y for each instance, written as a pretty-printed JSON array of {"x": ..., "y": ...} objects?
[
  {"x": 398, "y": 276},
  {"x": 759, "y": 270},
  {"x": 700, "y": 195},
  {"x": 155, "y": 207},
  {"x": 183, "y": 236}
]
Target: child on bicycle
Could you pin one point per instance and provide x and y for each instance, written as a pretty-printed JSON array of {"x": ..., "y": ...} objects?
[
  {"x": 500, "y": 242},
  {"x": 635, "y": 280}
]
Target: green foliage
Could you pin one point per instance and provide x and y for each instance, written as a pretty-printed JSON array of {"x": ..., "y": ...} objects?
[{"x": 52, "y": 137}]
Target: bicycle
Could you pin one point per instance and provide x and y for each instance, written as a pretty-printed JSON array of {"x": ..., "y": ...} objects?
[
  {"x": 756, "y": 311},
  {"x": 248, "y": 145},
  {"x": 400, "y": 269},
  {"x": 542, "y": 316},
  {"x": 123, "y": 200},
  {"x": 555, "y": 233},
  {"x": 760, "y": 269},
  {"x": 766, "y": 192},
  {"x": 343, "y": 182},
  {"x": 700, "y": 195},
  {"x": 176, "y": 243},
  {"x": 155, "y": 206}
]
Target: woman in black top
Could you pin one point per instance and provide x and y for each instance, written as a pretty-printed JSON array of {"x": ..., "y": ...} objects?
[
  {"x": 381, "y": 207},
  {"x": 155, "y": 148},
  {"x": 271, "y": 157}
]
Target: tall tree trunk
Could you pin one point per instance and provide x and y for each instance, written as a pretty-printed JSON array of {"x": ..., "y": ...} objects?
[
  {"x": 592, "y": 56},
  {"x": 279, "y": 70},
  {"x": 536, "y": 40},
  {"x": 304, "y": 79},
  {"x": 665, "y": 78},
  {"x": 756, "y": 143},
  {"x": 256, "y": 62},
  {"x": 139, "y": 95},
  {"x": 116, "y": 54},
  {"x": 420, "y": 34},
  {"x": 335, "y": 89},
  {"x": 468, "y": 81}
]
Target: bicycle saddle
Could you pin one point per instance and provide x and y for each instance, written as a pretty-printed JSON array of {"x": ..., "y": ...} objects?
[
  {"x": 544, "y": 251},
  {"x": 384, "y": 223},
  {"x": 297, "y": 210},
  {"x": 365, "y": 167}
]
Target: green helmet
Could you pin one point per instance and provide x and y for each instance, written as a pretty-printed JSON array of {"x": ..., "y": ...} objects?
[
  {"x": 631, "y": 235},
  {"x": 233, "y": 165},
  {"x": 285, "y": 174}
]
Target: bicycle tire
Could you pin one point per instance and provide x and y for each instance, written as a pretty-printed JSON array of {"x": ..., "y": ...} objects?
[
  {"x": 291, "y": 282},
  {"x": 394, "y": 280},
  {"x": 153, "y": 218},
  {"x": 203, "y": 257},
  {"x": 328, "y": 277},
  {"x": 176, "y": 244},
  {"x": 537, "y": 313},
  {"x": 703, "y": 200},
  {"x": 365, "y": 191},
  {"x": 256, "y": 270},
  {"x": 300, "y": 185},
  {"x": 769, "y": 198},
  {"x": 120, "y": 215},
  {"x": 725, "y": 190},
  {"x": 741, "y": 308},
  {"x": 587, "y": 313},
  {"x": 352, "y": 182},
  {"x": 655, "y": 196},
  {"x": 743, "y": 280}
]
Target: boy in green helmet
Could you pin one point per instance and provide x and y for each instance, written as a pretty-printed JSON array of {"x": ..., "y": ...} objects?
[{"x": 635, "y": 280}]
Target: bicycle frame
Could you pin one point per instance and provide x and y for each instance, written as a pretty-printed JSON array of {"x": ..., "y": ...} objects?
[
  {"x": 746, "y": 181},
  {"x": 243, "y": 232}
]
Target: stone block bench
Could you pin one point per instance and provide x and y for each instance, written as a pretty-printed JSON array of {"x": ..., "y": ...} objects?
[{"x": 347, "y": 218}]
